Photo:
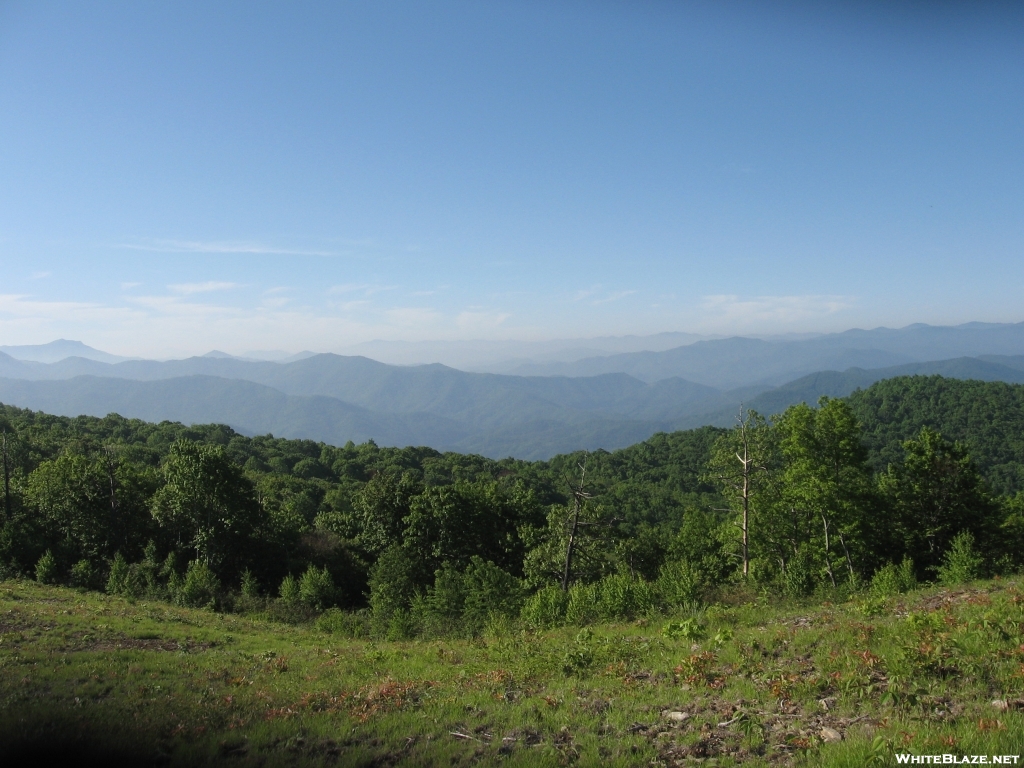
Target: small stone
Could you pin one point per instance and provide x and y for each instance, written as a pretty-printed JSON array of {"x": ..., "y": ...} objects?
[
  {"x": 675, "y": 715},
  {"x": 1002, "y": 705},
  {"x": 830, "y": 735}
]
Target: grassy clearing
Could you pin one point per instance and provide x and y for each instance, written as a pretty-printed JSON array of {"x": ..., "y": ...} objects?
[{"x": 83, "y": 675}]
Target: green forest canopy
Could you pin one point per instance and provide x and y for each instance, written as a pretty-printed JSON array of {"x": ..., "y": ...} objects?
[{"x": 86, "y": 491}]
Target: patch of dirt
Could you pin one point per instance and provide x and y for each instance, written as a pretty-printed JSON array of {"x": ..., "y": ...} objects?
[{"x": 83, "y": 641}]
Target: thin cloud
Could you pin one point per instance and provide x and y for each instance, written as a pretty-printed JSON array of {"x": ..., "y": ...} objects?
[
  {"x": 129, "y": 286},
  {"x": 412, "y": 316},
  {"x": 220, "y": 246},
  {"x": 773, "y": 309},
  {"x": 39, "y": 275},
  {"x": 598, "y": 295},
  {"x": 613, "y": 297},
  {"x": 368, "y": 289},
  {"x": 479, "y": 320},
  {"x": 207, "y": 287}
]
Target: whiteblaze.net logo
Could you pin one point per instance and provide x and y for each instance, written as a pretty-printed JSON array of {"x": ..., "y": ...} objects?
[{"x": 956, "y": 759}]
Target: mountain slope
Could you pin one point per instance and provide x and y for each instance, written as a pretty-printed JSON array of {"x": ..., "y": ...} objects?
[
  {"x": 726, "y": 363},
  {"x": 739, "y": 361},
  {"x": 58, "y": 350},
  {"x": 809, "y": 389},
  {"x": 252, "y": 408}
]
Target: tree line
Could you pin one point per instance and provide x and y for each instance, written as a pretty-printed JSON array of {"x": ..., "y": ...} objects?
[{"x": 816, "y": 499}]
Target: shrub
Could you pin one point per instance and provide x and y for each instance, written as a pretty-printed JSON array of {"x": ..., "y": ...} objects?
[
  {"x": 622, "y": 597},
  {"x": 680, "y": 584},
  {"x": 316, "y": 588},
  {"x": 334, "y": 621},
  {"x": 402, "y": 625},
  {"x": 250, "y": 587},
  {"x": 120, "y": 575},
  {"x": 961, "y": 563},
  {"x": 439, "y": 611},
  {"x": 582, "y": 605},
  {"x": 798, "y": 579},
  {"x": 289, "y": 590},
  {"x": 489, "y": 592},
  {"x": 46, "y": 569},
  {"x": 169, "y": 574},
  {"x": 199, "y": 588},
  {"x": 689, "y": 629},
  {"x": 545, "y": 608},
  {"x": 891, "y": 580},
  {"x": 83, "y": 575},
  {"x": 393, "y": 584},
  {"x": 580, "y": 655}
]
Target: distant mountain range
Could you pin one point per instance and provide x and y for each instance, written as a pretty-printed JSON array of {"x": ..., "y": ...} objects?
[
  {"x": 58, "y": 350},
  {"x": 741, "y": 361},
  {"x": 336, "y": 398}
]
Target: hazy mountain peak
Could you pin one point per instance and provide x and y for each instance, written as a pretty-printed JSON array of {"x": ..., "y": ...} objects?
[{"x": 58, "y": 350}]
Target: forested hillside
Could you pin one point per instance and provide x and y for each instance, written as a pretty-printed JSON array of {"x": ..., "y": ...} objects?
[
  {"x": 988, "y": 417},
  {"x": 795, "y": 503}
]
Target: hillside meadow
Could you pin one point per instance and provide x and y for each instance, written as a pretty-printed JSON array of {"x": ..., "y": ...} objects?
[{"x": 747, "y": 681}]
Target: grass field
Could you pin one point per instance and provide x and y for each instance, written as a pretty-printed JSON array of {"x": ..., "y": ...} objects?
[{"x": 84, "y": 678}]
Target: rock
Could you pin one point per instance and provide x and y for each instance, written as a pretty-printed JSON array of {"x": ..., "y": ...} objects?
[
  {"x": 827, "y": 703},
  {"x": 830, "y": 735},
  {"x": 675, "y": 715},
  {"x": 1005, "y": 705}
]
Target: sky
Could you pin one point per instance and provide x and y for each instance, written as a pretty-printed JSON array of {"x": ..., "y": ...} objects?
[{"x": 177, "y": 177}]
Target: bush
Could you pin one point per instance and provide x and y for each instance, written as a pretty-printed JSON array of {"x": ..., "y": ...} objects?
[
  {"x": 582, "y": 605},
  {"x": 688, "y": 629},
  {"x": 250, "y": 587},
  {"x": 489, "y": 592},
  {"x": 680, "y": 584},
  {"x": 120, "y": 575},
  {"x": 891, "y": 580},
  {"x": 580, "y": 656},
  {"x": 199, "y": 588},
  {"x": 316, "y": 588},
  {"x": 439, "y": 611},
  {"x": 148, "y": 573},
  {"x": 289, "y": 590},
  {"x": 798, "y": 578},
  {"x": 961, "y": 563},
  {"x": 393, "y": 584},
  {"x": 462, "y": 603},
  {"x": 46, "y": 569},
  {"x": 83, "y": 575},
  {"x": 545, "y": 608},
  {"x": 334, "y": 621},
  {"x": 401, "y": 626},
  {"x": 621, "y": 597},
  {"x": 613, "y": 598},
  {"x": 169, "y": 574}
]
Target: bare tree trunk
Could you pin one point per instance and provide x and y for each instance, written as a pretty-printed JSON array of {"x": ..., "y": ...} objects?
[
  {"x": 115, "y": 517},
  {"x": 579, "y": 495},
  {"x": 745, "y": 462},
  {"x": 828, "y": 559},
  {"x": 846, "y": 552},
  {"x": 7, "y": 482}
]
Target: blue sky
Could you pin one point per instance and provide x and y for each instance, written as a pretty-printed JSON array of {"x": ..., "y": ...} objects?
[{"x": 181, "y": 176}]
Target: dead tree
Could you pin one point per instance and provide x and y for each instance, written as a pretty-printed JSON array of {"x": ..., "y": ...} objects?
[
  {"x": 741, "y": 480},
  {"x": 7, "y": 479},
  {"x": 579, "y": 498}
]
